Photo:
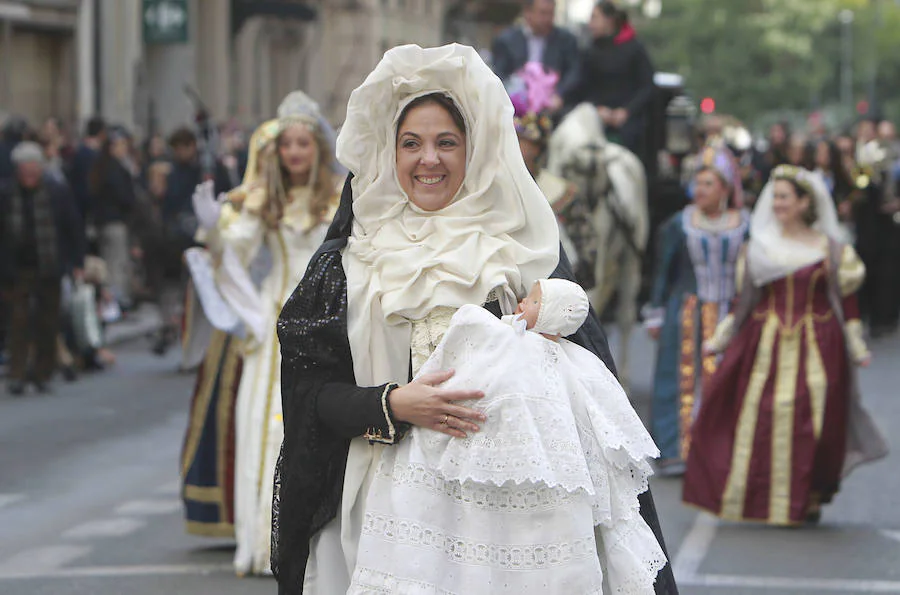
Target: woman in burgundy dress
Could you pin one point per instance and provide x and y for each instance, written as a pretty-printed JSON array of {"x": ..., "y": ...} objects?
[{"x": 781, "y": 421}]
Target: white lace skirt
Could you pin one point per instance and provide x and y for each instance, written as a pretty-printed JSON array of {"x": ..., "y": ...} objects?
[{"x": 513, "y": 509}]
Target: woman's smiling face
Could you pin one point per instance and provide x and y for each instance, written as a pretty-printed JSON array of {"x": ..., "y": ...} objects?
[{"x": 431, "y": 156}]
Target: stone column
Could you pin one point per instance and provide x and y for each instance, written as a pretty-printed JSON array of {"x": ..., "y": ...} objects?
[
  {"x": 84, "y": 40},
  {"x": 214, "y": 56}
]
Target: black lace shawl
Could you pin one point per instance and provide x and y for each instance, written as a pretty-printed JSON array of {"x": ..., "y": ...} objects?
[{"x": 324, "y": 408}]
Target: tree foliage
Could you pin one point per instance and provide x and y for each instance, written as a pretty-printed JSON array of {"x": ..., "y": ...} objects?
[{"x": 759, "y": 56}]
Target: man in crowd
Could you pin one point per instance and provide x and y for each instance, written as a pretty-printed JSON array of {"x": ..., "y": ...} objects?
[
  {"x": 40, "y": 241},
  {"x": 179, "y": 220},
  {"x": 83, "y": 162},
  {"x": 537, "y": 39},
  {"x": 187, "y": 172}
]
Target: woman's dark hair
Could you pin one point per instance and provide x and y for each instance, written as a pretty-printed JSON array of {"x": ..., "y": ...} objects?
[
  {"x": 843, "y": 182},
  {"x": 811, "y": 215},
  {"x": 610, "y": 10},
  {"x": 439, "y": 99}
]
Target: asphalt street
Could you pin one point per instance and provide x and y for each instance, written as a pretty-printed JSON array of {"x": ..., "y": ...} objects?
[{"x": 89, "y": 499}]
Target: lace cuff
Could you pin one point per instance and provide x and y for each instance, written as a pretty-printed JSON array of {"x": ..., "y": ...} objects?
[
  {"x": 856, "y": 344},
  {"x": 723, "y": 335},
  {"x": 653, "y": 317},
  {"x": 392, "y": 431}
]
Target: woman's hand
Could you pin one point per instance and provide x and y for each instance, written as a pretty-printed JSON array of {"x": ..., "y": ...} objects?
[
  {"x": 654, "y": 332},
  {"x": 866, "y": 362},
  {"x": 421, "y": 403}
]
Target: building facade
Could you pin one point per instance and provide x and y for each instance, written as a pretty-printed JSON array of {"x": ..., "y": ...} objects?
[
  {"x": 147, "y": 64},
  {"x": 38, "y": 58}
]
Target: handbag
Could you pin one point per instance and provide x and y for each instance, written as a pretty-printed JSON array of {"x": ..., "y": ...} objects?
[{"x": 85, "y": 322}]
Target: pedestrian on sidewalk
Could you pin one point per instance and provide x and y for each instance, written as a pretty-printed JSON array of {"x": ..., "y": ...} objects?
[
  {"x": 41, "y": 242},
  {"x": 82, "y": 162},
  {"x": 112, "y": 186}
]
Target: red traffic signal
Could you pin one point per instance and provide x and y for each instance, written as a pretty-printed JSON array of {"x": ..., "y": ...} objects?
[{"x": 708, "y": 105}]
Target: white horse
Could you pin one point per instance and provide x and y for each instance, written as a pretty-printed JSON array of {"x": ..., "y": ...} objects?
[{"x": 612, "y": 179}]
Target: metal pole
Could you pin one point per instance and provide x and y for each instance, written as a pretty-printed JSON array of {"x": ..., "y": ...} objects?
[{"x": 846, "y": 17}]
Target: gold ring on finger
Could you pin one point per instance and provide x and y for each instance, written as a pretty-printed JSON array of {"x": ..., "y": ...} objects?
[{"x": 446, "y": 420}]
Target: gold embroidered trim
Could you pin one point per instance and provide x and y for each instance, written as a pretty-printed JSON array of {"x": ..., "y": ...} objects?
[
  {"x": 816, "y": 379},
  {"x": 851, "y": 271},
  {"x": 375, "y": 434},
  {"x": 188, "y": 315},
  {"x": 204, "y": 394},
  {"x": 856, "y": 343},
  {"x": 209, "y": 529},
  {"x": 783, "y": 408},
  {"x": 688, "y": 372},
  {"x": 736, "y": 486},
  {"x": 709, "y": 315},
  {"x": 207, "y": 495},
  {"x": 273, "y": 363},
  {"x": 227, "y": 409}
]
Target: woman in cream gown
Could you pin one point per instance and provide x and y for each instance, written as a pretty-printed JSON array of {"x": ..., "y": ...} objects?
[
  {"x": 288, "y": 210},
  {"x": 441, "y": 213}
]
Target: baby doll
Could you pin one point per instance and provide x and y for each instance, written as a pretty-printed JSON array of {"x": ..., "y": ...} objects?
[{"x": 544, "y": 498}]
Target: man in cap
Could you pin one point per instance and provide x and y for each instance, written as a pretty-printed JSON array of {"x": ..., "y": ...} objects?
[{"x": 41, "y": 240}]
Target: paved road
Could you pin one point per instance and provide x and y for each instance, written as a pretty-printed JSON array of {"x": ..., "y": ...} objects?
[{"x": 89, "y": 500}]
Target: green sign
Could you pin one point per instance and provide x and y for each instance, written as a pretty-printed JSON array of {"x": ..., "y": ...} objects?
[{"x": 165, "y": 21}]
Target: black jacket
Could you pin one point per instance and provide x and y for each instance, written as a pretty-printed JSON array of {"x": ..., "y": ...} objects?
[
  {"x": 615, "y": 75},
  {"x": 70, "y": 239},
  {"x": 510, "y": 53},
  {"x": 114, "y": 198},
  {"x": 79, "y": 176},
  {"x": 180, "y": 185},
  {"x": 324, "y": 408}
]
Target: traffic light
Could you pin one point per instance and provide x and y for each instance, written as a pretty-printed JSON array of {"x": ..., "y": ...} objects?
[{"x": 708, "y": 105}]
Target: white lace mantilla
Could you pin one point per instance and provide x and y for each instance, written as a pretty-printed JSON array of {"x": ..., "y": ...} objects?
[{"x": 513, "y": 508}]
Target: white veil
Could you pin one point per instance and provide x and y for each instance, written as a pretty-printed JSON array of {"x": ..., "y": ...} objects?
[{"x": 772, "y": 256}]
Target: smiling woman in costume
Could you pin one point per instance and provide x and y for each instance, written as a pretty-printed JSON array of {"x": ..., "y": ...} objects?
[
  {"x": 287, "y": 208},
  {"x": 441, "y": 213},
  {"x": 781, "y": 420}
]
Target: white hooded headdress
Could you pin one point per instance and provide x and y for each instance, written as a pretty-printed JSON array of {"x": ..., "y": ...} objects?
[{"x": 401, "y": 262}]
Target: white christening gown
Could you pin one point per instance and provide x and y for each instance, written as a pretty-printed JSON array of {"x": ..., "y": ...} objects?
[{"x": 542, "y": 500}]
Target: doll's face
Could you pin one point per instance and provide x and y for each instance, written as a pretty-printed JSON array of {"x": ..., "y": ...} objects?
[{"x": 530, "y": 307}]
